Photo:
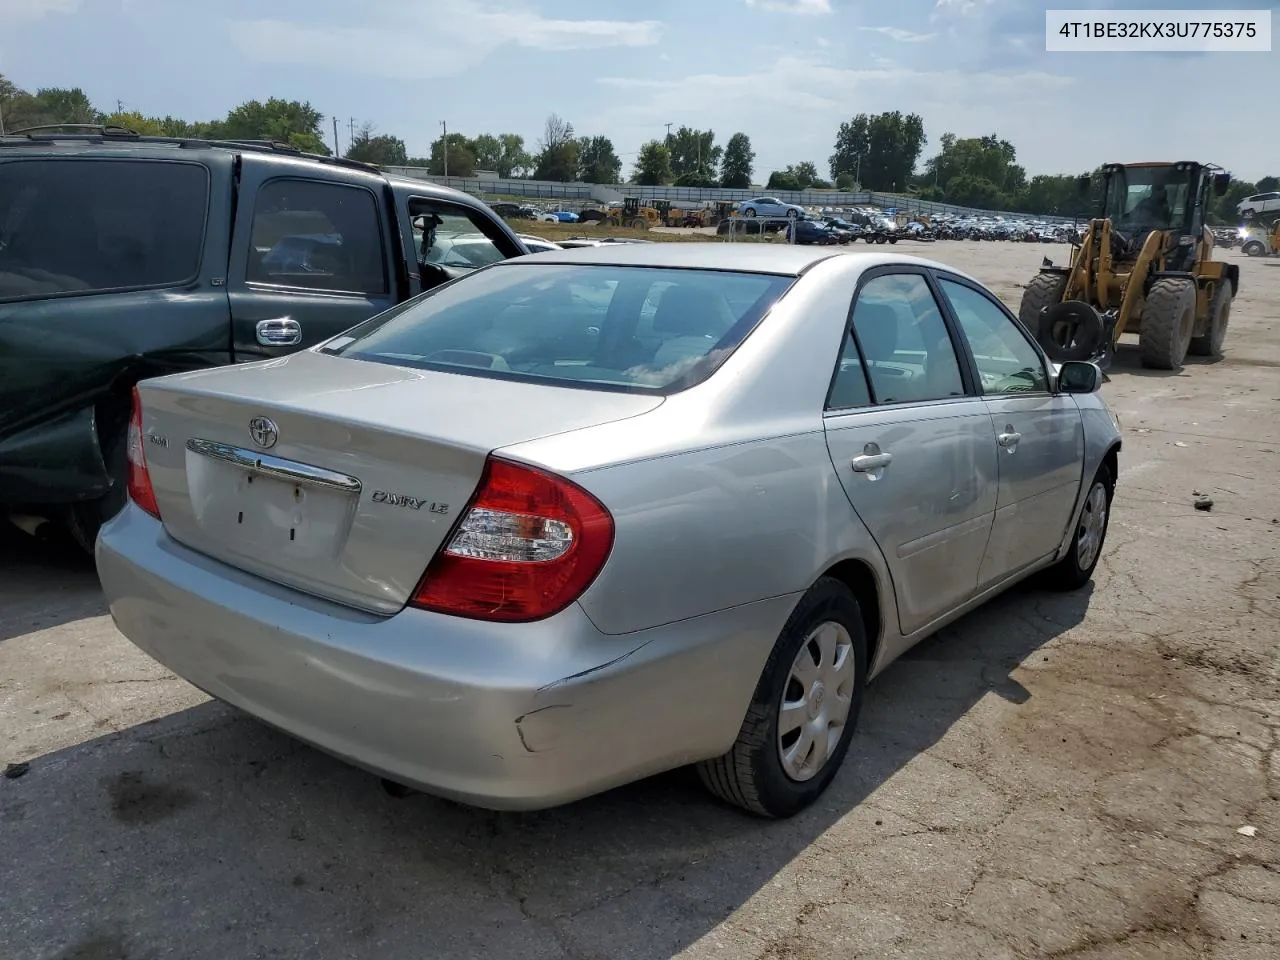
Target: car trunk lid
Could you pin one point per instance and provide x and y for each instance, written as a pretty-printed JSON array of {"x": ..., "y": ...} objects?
[{"x": 336, "y": 476}]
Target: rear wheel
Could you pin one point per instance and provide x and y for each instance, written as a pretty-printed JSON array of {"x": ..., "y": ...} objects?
[
  {"x": 1254, "y": 248},
  {"x": 749, "y": 212},
  {"x": 1167, "y": 323},
  {"x": 84, "y": 519},
  {"x": 1209, "y": 343},
  {"x": 803, "y": 712}
]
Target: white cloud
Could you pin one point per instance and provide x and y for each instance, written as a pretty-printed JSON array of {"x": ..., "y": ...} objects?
[
  {"x": 792, "y": 6},
  {"x": 902, "y": 36},
  {"x": 462, "y": 34},
  {"x": 793, "y": 105},
  {"x": 13, "y": 11},
  {"x": 961, "y": 7}
]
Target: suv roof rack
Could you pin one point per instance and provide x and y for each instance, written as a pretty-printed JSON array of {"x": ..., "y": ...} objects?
[{"x": 107, "y": 133}]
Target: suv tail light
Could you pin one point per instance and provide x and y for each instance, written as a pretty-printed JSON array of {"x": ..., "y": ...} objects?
[
  {"x": 527, "y": 546},
  {"x": 140, "y": 490}
]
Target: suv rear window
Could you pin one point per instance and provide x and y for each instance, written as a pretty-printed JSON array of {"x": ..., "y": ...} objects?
[
  {"x": 85, "y": 225},
  {"x": 621, "y": 328}
]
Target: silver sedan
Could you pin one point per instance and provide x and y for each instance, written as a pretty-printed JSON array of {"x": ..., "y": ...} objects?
[{"x": 584, "y": 516}]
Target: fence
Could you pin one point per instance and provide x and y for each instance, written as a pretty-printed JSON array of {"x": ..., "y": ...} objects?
[{"x": 582, "y": 193}]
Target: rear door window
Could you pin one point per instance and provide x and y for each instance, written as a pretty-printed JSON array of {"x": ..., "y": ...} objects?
[
  {"x": 317, "y": 236},
  {"x": 75, "y": 226}
]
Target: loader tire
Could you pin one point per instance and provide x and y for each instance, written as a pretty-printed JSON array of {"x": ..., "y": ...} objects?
[
  {"x": 1044, "y": 290},
  {"x": 1167, "y": 323},
  {"x": 1209, "y": 343}
]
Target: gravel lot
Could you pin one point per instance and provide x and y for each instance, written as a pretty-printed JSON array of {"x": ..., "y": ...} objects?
[{"x": 1051, "y": 777}]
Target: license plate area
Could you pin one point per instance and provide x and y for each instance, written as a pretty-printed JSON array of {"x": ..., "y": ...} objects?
[{"x": 261, "y": 514}]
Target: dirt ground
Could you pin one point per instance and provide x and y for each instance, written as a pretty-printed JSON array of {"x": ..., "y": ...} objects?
[{"x": 1094, "y": 776}]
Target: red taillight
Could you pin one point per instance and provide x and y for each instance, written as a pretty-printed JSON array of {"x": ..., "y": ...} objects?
[
  {"x": 528, "y": 545},
  {"x": 140, "y": 490}
]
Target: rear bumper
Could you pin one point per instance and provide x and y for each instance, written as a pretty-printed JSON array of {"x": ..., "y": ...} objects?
[{"x": 504, "y": 716}]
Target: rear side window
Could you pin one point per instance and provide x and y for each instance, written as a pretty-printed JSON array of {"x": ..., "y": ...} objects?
[
  {"x": 72, "y": 226},
  {"x": 629, "y": 328},
  {"x": 317, "y": 236}
]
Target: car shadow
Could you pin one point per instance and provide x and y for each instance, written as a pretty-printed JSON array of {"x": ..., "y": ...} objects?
[
  {"x": 207, "y": 835},
  {"x": 45, "y": 582}
]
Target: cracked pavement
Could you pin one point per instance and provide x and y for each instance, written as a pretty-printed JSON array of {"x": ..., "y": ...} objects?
[{"x": 1053, "y": 776}]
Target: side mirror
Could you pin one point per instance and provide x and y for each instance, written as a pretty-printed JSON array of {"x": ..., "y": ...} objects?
[
  {"x": 1079, "y": 376},
  {"x": 1221, "y": 183},
  {"x": 1084, "y": 185}
]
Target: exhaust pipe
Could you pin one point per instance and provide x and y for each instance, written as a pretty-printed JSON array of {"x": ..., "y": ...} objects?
[{"x": 32, "y": 526}]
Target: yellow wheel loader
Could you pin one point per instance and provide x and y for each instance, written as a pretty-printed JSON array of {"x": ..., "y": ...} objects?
[{"x": 1144, "y": 265}]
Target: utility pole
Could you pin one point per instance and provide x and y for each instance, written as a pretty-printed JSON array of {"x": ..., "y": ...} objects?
[
  {"x": 351, "y": 129},
  {"x": 1, "y": 119},
  {"x": 444, "y": 146},
  {"x": 337, "y": 151},
  {"x": 119, "y": 106},
  {"x": 668, "y": 135}
]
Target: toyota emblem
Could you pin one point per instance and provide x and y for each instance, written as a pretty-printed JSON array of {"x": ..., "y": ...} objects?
[{"x": 264, "y": 432}]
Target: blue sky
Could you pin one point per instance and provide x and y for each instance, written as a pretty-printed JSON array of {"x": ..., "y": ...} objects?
[{"x": 786, "y": 72}]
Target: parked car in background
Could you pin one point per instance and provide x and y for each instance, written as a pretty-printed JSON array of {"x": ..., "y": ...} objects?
[
  {"x": 769, "y": 207},
  {"x": 1259, "y": 204},
  {"x": 813, "y": 232},
  {"x": 125, "y": 257},
  {"x": 588, "y": 515}
]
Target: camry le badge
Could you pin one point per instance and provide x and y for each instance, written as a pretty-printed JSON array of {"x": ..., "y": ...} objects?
[
  {"x": 411, "y": 503},
  {"x": 264, "y": 432}
]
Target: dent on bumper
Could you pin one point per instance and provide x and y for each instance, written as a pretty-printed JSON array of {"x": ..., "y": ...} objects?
[{"x": 498, "y": 715}]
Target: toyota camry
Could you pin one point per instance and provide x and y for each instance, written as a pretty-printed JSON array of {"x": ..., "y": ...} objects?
[{"x": 588, "y": 515}]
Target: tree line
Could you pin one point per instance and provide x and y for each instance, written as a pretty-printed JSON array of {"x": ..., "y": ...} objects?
[{"x": 879, "y": 152}]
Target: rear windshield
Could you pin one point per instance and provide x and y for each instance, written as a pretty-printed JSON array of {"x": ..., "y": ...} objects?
[
  {"x": 623, "y": 328},
  {"x": 80, "y": 225}
]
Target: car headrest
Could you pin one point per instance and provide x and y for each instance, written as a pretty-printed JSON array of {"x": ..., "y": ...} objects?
[
  {"x": 690, "y": 311},
  {"x": 877, "y": 325}
]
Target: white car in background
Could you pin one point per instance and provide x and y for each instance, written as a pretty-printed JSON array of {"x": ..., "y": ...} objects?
[
  {"x": 1259, "y": 203},
  {"x": 769, "y": 207}
]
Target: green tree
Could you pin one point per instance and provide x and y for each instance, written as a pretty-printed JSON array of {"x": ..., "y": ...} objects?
[
  {"x": 653, "y": 164},
  {"x": 983, "y": 158},
  {"x": 738, "y": 163},
  {"x": 597, "y": 161},
  {"x": 557, "y": 151},
  {"x": 969, "y": 190},
  {"x": 1269, "y": 184},
  {"x": 48, "y": 105},
  {"x": 783, "y": 180},
  {"x": 284, "y": 121},
  {"x": 135, "y": 121},
  {"x": 881, "y": 149},
  {"x": 845, "y": 182},
  {"x": 504, "y": 154},
  {"x": 384, "y": 150},
  {"x": 462, "y": 156},
  {"x": 694, "y": 156}
]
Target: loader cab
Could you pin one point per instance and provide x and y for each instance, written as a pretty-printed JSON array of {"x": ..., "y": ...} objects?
[{"x": 1174, "y": 197}]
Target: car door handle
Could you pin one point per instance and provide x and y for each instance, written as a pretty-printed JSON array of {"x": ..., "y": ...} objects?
[
  {"x": 280, "y": 332},
  {"x": 870, "y": 462},
  {"x": 1009, "y": 438}
]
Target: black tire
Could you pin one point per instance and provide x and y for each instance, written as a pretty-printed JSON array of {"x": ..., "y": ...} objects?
[
  {"x": 1044, "y": 290},
  {"x": 84, "y": 520},
  {"x": 1072, "y": 333},
  {"x": 1254, "y": 248},
  {"x": 751, "y": 774},
  {"x": 893, "y": 239},
  {"x": 1209, "y": 343},
  {"x": 1069, "y": 573},
  {"x": 1167, "y": 324},
  {"x": 792, "y": 214},
  {"x": 749, "y": 212}
]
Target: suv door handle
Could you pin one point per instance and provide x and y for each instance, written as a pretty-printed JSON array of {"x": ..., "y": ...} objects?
[
  {"x": 280, "y": 332},
  {"x": 870, "y": 462},
  {"x": 1009, "y": 439}
]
